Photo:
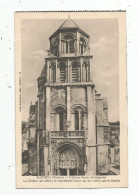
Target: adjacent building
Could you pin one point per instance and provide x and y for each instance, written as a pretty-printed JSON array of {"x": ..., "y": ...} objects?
[{"x": 115, "y": 143}]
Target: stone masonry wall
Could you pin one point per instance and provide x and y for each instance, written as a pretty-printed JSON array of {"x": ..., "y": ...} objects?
[
  {"x": 58, "y": 97},
  {"x": 41, "y": 115},
  {"x": 78, "y": 96},
  {"x": 32, "y": 159},
  {"x": 103, "y": 161},
  {"x": 103, "y": 150},
  {"x": 103, "y": 137}
]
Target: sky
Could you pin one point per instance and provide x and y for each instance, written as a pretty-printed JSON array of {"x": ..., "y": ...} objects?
[{"x": 104, "y": 46}]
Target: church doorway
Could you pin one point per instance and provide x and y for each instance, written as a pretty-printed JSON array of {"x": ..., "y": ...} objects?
[
  {"x": 68, "y": 161},
  {"x": 63, "y": 172},
  {"x": 73, "y": 171},
  {"x": 66, "y": 172}
]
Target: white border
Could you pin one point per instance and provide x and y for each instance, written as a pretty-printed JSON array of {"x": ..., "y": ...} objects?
[
  {"x": 22, "y": 182},
  {"x": 7, "y": 111}
]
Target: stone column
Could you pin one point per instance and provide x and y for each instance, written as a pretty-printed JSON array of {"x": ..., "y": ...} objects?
[
  {"x": 48, "y": 125},
  {"x": 38, "y": 118},
  {"x": 48, "y": 78},
  {"x": 68, "y": 107},
  {"x": 77, "y": 43},
  {"x": 50, "y": 73},
  {"x": 67, "y": 172},
  {"x": 56, "y": 72},
  {"x": 68, "y": 47},
  {"x": 90, "y": 70},
  {"x": 60, "y": 43},
  {"x": 87, "y": 72},
  {"x": 91, "y": 142},
  {"x": 70, "y": 72},
  {"x": 81, "y": 70},
  {"x": 66, "y": 72},
  {"x": 68, "y": 75},
  {"x": 46, "y": 160},
  {"x": 48, "y": 128},
  {"x": 73, "y": 122},
  {"x": 80, "y": 122}
]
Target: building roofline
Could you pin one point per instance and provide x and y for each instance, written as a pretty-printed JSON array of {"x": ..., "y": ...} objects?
[{"x": 74, "y": 27}]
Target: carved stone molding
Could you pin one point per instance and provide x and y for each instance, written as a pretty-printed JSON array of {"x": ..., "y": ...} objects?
[{"x": 56, "y": 142}]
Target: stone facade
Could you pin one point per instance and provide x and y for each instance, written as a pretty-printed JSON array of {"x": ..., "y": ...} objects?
[
  {"x": 115, "y": 143},
  {"x": 24, "y": 142},
  {"x": 72, "y": 133}
]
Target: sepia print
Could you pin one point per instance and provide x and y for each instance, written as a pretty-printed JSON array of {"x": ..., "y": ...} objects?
[{"x": 71, "y": 118}]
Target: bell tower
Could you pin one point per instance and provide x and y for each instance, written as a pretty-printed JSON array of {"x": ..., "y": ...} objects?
[{"x": 66, "y": 106}]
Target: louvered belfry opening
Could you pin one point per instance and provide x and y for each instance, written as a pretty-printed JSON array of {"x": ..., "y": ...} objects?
[
  {"x": 62, "y": 72},
  {"x": 75, "y": 72}
]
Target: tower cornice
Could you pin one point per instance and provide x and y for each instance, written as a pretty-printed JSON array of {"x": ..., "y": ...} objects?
[
  {"x": 69, "y": 84},
  {"x": 71, "y": 57}
]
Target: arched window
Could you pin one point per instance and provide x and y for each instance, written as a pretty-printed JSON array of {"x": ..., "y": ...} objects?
[
  {"x": 82, "y": 46},
  {"x": 75, "y": 72},
  {"x": 60, "y": 118},
  {"x": 63, "y": 75},
  {"x": 55, "y": 48},
  {"x": 68, "y": 44},
  {"x": 61, "y": 121},
  {"x": 78, "y": 118}
]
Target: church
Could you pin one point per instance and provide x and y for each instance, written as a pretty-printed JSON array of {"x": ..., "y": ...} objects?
[{"x": 68, "y": 133}]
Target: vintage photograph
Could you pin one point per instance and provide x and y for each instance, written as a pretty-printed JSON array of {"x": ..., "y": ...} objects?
[{"x": 70, "y": 96}]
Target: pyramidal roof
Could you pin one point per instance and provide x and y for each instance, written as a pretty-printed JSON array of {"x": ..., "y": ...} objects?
[{"x": 68, "y": 24}]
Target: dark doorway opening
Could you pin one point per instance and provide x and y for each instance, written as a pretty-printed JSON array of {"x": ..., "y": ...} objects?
[
  {"x": 63, "y": 172},
  {"x": 73, "y": 171}
]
